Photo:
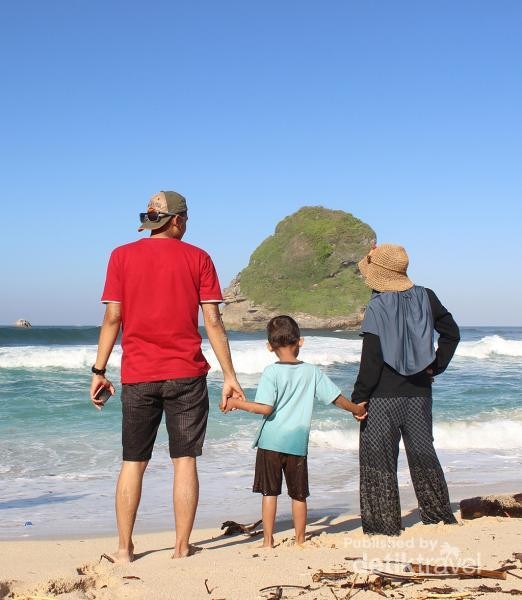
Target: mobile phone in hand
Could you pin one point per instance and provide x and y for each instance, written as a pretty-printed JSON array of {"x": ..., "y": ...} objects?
[{"x": 102, "y": 394}]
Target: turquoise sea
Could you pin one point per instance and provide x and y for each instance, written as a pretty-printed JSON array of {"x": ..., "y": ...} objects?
[{"x": 59, "y": 457}]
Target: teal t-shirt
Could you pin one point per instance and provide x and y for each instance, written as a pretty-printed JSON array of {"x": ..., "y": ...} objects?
[{"x": 291, "y": 388}]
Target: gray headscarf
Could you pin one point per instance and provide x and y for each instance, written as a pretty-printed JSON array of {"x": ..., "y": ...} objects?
[{"x": 404, "y": 323}]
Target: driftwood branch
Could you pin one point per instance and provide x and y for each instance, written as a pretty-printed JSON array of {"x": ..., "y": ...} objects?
[
  {"x": 461, "y": 572},
  {"x": 232, "y": 528}
]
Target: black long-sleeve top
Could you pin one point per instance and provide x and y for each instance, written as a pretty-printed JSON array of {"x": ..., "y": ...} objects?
[{"x": 379, "y": 380}]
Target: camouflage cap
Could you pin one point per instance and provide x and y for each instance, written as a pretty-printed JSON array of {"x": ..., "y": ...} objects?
[{"x": 169, "y": 202}]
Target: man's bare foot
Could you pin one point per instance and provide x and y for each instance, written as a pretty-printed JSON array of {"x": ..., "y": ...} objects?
[
  {"x": 187, "y": 551},
  {"x": 268, "y": 543},
  {"x": 123, "y": 556}
]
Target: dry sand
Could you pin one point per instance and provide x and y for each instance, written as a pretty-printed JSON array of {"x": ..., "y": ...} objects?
[{"x": 236, "y": 568}]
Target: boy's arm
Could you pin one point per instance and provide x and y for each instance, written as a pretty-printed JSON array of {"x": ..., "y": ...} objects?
[
  {"x": 246, "y": 405},
  {"x": 358, "y": 410}
]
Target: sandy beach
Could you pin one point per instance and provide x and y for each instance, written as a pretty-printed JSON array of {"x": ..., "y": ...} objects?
[{"x": 234, "y": 567}]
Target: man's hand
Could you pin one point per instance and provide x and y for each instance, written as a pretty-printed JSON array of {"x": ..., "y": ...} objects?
[
  {"x": 97, "y": 382},
  {"x": 231, "y": 388},
  {"x": 360, "y": 413},
  {"x": 429, "y": 371}
]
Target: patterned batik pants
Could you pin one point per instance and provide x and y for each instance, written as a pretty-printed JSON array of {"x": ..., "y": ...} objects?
[{"x": 388, "y": 419}]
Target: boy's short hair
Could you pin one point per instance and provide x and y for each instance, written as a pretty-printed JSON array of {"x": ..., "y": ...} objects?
[{"x": 282, "y": 331}]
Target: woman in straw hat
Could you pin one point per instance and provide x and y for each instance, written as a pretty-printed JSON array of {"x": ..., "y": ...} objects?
[{"x": 398, "y": 363}]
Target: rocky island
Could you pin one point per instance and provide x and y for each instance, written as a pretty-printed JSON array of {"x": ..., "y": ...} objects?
[{"x": 308, "y": 269}]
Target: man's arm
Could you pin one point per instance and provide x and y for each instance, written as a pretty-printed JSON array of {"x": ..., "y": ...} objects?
[
  {"x": 219, "y": 341},
  {"x": 108, "y": 334}
]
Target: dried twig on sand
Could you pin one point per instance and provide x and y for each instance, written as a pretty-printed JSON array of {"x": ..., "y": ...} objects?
[
  {"x": 322, "y": 575},
  {"x": 454, "y": 595},
  {"x": 107, "y": 557},
  {"x": 409, "y": 578},
  {"x": 277, "y": 592},
  {"x": 487, "y": 589},
  {"x": 33, "y": 597},
  {"x": 440, "y": 590}
]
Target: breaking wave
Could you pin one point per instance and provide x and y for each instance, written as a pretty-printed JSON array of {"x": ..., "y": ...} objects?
[
  {"x": 498, "y": 435},
  {"x": 250, "y": 356}
]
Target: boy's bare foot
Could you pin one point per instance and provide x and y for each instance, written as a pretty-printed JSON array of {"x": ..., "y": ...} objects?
[
  {"x": 268, "y": 543},
  {"x": 123, "y": 556}
]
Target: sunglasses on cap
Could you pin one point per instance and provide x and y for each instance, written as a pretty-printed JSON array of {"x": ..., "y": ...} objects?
[{"x": 154, "y": 216}]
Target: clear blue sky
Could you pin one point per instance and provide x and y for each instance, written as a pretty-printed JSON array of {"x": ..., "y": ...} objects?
[{"x": 405, "y": 113}]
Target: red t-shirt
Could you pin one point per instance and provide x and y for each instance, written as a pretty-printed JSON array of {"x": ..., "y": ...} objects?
[{"x": 160, "y": 283}]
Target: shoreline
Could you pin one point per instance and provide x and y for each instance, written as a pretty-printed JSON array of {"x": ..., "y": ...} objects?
[
  {"x": 147, "y": 526},
  {"x": 234, "y": 567}
]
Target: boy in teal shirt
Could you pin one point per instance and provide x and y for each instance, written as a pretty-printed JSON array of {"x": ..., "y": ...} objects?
[{"x": 285, "y": 396}]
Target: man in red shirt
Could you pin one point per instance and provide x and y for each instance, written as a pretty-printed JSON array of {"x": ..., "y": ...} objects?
[{"x": 153, "y": 291}]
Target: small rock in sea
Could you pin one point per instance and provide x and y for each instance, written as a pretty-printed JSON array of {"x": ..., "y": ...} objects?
[
  {"x": 28, "y": 524},
  {"x": 22, "y": 323}
]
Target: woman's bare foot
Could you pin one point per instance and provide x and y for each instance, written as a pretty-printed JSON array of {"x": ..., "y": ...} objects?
[{"x": 268, "y": 543}]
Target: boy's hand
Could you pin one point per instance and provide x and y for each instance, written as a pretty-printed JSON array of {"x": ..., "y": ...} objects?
[
  {"x": 230, "y": 404},
  {"x": 360, "y": 413}
]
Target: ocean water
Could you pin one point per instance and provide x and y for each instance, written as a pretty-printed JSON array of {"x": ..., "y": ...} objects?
[{"x": 59, "y": 457}]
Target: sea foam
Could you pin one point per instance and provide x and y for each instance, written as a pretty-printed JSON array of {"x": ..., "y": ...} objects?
[
  {"x": 53, "y": 357},
  {"x": 250, "y": 356},
  {"x": 501, "y": 435},
  {"x": 490, "y": 346}
]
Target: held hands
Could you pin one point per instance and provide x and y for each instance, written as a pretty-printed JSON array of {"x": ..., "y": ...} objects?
[
  {"x": 360, "y": 413},
  {"x": 231, "y": 390},
  {"x": 231, "y": 404}
]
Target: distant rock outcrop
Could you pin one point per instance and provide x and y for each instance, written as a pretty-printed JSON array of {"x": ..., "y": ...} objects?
[
  {"x": 22, "y": 323},
  {"x": 307, "y": 269}
]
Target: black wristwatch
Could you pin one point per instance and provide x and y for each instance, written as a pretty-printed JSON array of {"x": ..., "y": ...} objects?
[{"x": 98, "y": 371}]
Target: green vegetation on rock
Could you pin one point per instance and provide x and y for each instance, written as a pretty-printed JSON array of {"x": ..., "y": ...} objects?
[{"x": 309, "y": 265}]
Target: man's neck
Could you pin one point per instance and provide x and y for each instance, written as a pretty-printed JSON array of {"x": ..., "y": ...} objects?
[{"x": 166, "y": 234}]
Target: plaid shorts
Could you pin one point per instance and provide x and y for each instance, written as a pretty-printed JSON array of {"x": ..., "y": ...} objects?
[
  {"x": 185, "y": 403},
  {"x": 268, "y": 477}
]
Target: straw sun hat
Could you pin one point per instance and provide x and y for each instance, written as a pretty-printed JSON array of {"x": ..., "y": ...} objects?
[{"x": 384, "y": 269}]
